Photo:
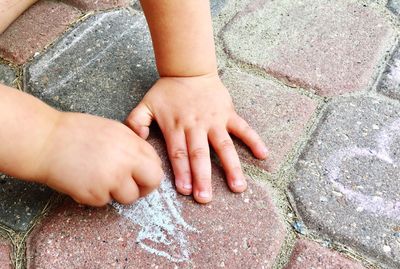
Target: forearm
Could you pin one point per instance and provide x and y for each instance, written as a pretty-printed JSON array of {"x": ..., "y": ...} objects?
[
  {"x": 182, "y": 36},
  {"x": 10, "y": 10},
  {"x": 26, "y": 123}
]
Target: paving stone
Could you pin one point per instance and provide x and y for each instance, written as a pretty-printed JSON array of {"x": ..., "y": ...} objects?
[
  {"x": 5, "y": 255},
  {"x": 394, "y": 6},
  {"x": 36, "y": 28},
  {"x": 278, "y": 113},
  {"x": 7, "y": 75},
  {"x": 390, "y": 82},
  {"x": 94, "y": 70},
  {"x": 347, "y": 185},
  {"x": 307, "y": 254},
  {"x": 330, "y": 47},
  {"x": 87, "y": 5},
  {"x": 216, "y": 6},
  {"x": 165, "y": 230},
  {"x": 21, "y": 202}
]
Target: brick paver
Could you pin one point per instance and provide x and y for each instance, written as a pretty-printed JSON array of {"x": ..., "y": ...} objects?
[
  {"x": 390, "y": 82},
  {"x": 5, "y": 254},
  {"x": 164, "y": 231},
  {"x": 330, "y": 47},
  {"x": 37, "y": 27},
  {"x": 346, "y": 185},
  {"x": 104, "y": 73},
  {"x": 278, "y": 113},
  {"x": 307, "y": 254},
  {"x": 87, "y": 5},
  {"x": 7, "y": 75}
]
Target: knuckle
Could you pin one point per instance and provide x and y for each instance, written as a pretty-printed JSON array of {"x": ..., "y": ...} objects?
[
  {"x": 199, "y": 153},
  {"x": 226, "y": 145},
  {"x": 179, "y": 154}
]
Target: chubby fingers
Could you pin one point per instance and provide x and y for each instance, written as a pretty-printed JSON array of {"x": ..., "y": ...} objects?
[
  {"x": 241, "y": 129},
  {"x": 127, "y": 192},
  {"x": 200, "y": 164},
  {"x": 223, "y": 146}
]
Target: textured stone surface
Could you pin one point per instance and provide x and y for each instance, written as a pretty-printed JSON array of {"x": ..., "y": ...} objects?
[
  {"x": 394, "y": 6},
  {"x": 277, "y": 113},
  {"x": 104, "y": 66},
  {"x": 390, "y": 82},
  {"x": 21, "y": 202},
  {"x": 5, "y": 255},
  {"x": 37, "y": 27},
  {"x": 330, "y": 47},
  {"x": 7, "y": 75},
  {"x": 347, "y": 183},
  {"x": 87, "y": 5},
  {"x": 307, "y": 254},
  {"x": 216, "y": 6},
  {"x": 234, "y": 231}
]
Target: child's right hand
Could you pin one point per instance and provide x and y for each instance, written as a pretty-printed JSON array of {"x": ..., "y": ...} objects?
[{"x": 95, "y": 160}]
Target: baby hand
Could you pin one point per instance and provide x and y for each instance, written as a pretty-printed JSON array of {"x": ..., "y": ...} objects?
[
  {"x": 95, "y": 160},
  {"x": 191, "y": 112}
]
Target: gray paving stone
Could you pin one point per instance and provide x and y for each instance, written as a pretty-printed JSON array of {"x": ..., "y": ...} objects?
[
  {"x": 7, "y": 75},
  {"x": 216, "y": 6},
  {"x": 394, "y": 6},
  {"x": 347, "y": 184},
  {"x": 390, "y": 82},
  {"x": 104, "y": 66},
  {"x": 21, "y": 202}
]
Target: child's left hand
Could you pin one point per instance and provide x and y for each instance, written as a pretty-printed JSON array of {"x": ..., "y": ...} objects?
[{"x": 191, "y": 112}]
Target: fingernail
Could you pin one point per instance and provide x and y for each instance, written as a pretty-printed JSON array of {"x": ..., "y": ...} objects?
[
  {"x": 204, "y": 194},
  {"x": 238, "y": 183},
  {"x": 187, "y": 186}
]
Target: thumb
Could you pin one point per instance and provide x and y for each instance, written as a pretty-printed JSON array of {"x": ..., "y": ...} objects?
[{"x": 139, "y": 120}]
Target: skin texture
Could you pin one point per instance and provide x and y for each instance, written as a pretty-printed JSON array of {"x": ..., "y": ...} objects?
[
  {"x": 10, "y": 10},
  {"x": 94, "y": 159},
  {"x": 189, "y": 102},
  {"x": 89, "y": 158}
]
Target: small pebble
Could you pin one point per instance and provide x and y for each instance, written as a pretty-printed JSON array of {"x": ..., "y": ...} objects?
[
  {"x": 299, "y": 227},
  {"x": 386, "y": 249}
]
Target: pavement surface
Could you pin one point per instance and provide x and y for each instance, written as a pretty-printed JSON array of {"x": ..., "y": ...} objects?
[{"x": 319, "y": 81}]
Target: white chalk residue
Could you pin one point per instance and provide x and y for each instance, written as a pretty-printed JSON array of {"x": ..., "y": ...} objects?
[
  {"x": 162, "y": 226},
  {"x": 372, "y": 204}
]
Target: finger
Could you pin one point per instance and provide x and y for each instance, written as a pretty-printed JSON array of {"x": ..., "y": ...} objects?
[
  {"x": 200, "y": 164},
  {"x": 241, "y": 129},
  {"x": 223, "y": 145},
  {"x": 177, "y": 151},
  {"x": 139, "y": 120},
  {"x": 148, "y": 174},
  {"x": 127, "y": 192}
]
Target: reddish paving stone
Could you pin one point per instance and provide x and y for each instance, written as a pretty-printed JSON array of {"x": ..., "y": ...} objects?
[
  {"x": 33, "y": 30},
  {"x": 278, "y": 113},
  {"x": 307, "y": 254},
  {"x": 87, "y": 5},
  {"x": 330, "y": 47},
  {"x": 234, "y": 231},
  {"x": 5, "y": 255}
]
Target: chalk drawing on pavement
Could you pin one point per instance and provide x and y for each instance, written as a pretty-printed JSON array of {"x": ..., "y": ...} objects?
[
  {"x": 370, "y": 203},
  {"x": 163, "y": 229}
]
